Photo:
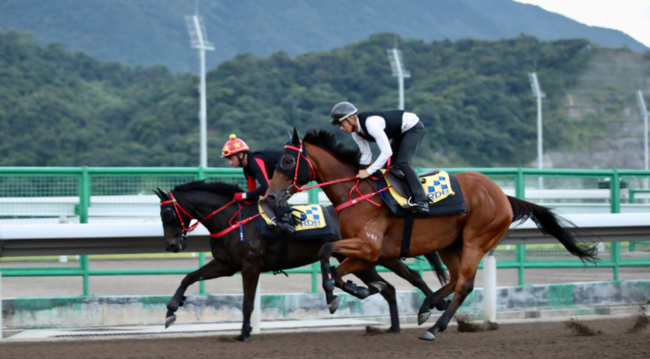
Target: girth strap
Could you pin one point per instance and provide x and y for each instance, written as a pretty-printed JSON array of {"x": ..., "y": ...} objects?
[{"x": 406, "y": 236}]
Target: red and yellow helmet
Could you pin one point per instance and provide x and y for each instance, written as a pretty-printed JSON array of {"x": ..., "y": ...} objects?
[{"x": 232, "y": 146}]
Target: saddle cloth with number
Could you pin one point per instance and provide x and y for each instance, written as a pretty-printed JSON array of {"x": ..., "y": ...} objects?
[
  {"x": 315, "y": 222},
  {"x": 442, "y": 190}
]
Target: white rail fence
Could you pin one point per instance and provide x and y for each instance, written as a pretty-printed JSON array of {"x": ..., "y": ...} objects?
[{"x": 145, "y": 208}]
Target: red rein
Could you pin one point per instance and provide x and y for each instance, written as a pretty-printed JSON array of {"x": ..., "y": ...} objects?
[{"x": 352, "y": 201}]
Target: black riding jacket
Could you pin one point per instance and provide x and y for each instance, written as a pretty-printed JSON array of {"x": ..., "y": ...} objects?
[{"x": 261, "y": 165}]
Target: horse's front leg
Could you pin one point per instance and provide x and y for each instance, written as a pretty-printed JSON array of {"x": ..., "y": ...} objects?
[
  {"x": 378, "y": 284},
  {"x": 375, "y": 283},
  {"x": 214, "y": 269},
  {"x": 250, "y": 276},
  {"x": 329, "y": 277},
  {"x": 359, "y": 257}
]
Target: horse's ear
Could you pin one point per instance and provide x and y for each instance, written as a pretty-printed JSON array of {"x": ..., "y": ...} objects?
[
  {"x": 289, "y": 137},
  {"x": 295, "y": 140},
  {"x": 161, "y": 194}
]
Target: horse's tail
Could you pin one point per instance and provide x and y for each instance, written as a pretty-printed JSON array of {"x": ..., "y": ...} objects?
[
  {"x": 553, "y": 225},
  {"x": 436, "y": 265}
]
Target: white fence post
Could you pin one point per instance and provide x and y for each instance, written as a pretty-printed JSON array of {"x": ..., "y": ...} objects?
[
  {"x": 256, "y": 317},
  {"x": 490, "y": 287}
]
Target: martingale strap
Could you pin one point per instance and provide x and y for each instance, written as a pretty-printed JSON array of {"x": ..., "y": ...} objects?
[{"x": 359, "y": 199}]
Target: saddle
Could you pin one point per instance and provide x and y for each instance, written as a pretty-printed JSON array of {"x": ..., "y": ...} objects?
[
  {"x": 442, "y": 189},
  {"x": 314, "y": 222},
  {"x": 398, "y": 179}
]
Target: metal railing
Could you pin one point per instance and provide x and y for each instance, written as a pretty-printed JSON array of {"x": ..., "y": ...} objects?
[{"x": 35, "y": 195}]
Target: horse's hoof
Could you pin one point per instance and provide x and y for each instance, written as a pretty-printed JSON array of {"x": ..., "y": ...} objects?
[
  {"x": 170, "y": 320},
  {"x": 334, "y": 305},
  {"x": 392, "y": 330},
  {"x": 423, "y": 317},
  {"x": 427, "y": 336},
  {"x": 242, "y": 338},
  {"x": 379, "y": 285}
]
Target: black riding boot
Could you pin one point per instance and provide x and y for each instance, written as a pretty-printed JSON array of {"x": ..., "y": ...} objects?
[
  {"x": 418, "y": 203},
  {"x": 403, "y": 149}
]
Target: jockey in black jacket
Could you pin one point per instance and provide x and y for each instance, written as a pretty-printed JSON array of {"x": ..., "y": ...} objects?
[
  {"x": 258, "y": 168},
  {"x": 406, "y": 131}
]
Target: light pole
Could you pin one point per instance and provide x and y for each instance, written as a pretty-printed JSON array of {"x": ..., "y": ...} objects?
[
  {"x": 644, "y": 113},
  {"x": 538, "y": 93},
  {"x": 200, "y": 41},
  {"x": 397, "y": 66}
]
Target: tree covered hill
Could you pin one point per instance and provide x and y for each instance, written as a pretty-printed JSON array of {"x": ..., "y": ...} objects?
[
  {"x": 153, "y": 32},
  {"x": 61, "y": 108}
]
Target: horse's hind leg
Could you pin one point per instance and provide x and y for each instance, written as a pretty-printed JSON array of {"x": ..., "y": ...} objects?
[
  {"x": 250, "y": 276},
  {"x": 371, "y": 277},
  {"x": 451, "y": 256},
  {"x": 214, "y": 269},
  {"x": 413, "y": 277}
]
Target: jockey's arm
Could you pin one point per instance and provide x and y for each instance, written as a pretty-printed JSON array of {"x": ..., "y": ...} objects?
[
  {"x": 376, "y": 126},
  {"x": 364, "y": 147}
]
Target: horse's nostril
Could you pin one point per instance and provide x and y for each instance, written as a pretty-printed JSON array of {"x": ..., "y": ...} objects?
[{"x": 270, "y": 197}]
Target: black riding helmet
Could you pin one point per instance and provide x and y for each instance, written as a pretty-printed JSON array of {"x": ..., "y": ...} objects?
[{"x": 341, "y": 111}]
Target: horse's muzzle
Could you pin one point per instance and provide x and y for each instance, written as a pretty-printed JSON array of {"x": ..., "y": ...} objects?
[{"x": 179, "y": 246}]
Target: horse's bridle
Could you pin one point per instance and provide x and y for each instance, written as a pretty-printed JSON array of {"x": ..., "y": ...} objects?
[
  {"x": 178, "y": 207},
  {"x": 312, "y": 175},
  {"x": 298, "y": 188}
]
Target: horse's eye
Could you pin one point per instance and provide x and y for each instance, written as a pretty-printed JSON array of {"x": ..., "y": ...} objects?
[
  {"x": 168, "y": 215},
  {"x": 287, "y": 162}
]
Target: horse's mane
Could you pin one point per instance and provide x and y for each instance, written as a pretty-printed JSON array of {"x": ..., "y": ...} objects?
[
  {"x": 220, "y": 188},
  {"x": 327, "y": 140}
]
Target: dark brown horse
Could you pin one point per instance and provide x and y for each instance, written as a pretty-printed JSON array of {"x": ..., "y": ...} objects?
[
  {"x": 255, "y": 254},
  {"x": 373, "y": 234}
]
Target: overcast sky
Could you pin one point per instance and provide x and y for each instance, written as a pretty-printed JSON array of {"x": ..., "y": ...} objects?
[{"x": 630, "y": 16}]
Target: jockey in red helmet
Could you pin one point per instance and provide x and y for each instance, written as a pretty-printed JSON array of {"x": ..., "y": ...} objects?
[{"x": 258, "y": 168}]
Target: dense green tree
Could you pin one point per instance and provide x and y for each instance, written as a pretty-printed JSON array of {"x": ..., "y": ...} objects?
[{"x": 59, "y": 108}]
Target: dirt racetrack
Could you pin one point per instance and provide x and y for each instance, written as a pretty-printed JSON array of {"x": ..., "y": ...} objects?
[{"x": 525, "y": 340}]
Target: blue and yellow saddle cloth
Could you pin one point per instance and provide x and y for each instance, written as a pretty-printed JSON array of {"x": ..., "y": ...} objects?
[
  {"x": 442, "y": 190},
  {"x": 315, "y": 222},
  {"x": 437, "y": 187}
]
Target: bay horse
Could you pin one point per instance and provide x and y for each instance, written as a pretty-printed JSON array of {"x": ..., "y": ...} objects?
[
  {"x": 255, "y": 254},
  {"x": 372, "y": 233}
]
